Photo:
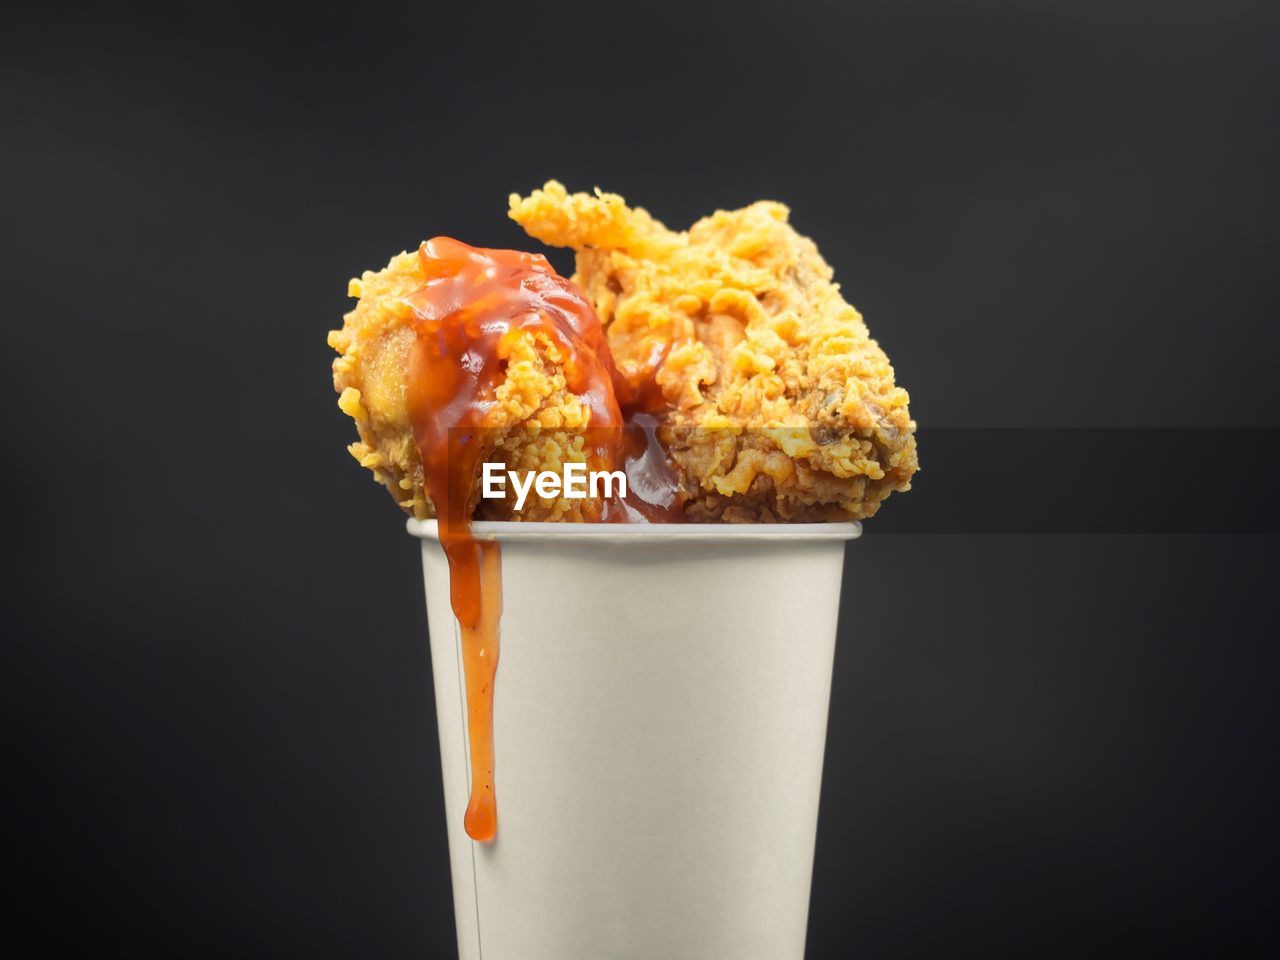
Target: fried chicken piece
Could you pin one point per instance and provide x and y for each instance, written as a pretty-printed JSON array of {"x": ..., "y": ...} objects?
[
  {"x": 535, "y": 421},
  {"x": 779, "y": 405}
]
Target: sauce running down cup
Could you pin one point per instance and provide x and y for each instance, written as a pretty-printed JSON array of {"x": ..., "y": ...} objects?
[{"x": 658, "y": 730}]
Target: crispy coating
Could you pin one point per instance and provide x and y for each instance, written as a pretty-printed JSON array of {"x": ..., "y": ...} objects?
[
  {"x": 535, "y": 423},
  {"x": 775, "y": 403},
  {"x": 779, "y": 405}
]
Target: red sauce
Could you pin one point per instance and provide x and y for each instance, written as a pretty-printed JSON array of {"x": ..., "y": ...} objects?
[
  {"x": 653, "y": 489},
  {"x": 473, "y": 305}
]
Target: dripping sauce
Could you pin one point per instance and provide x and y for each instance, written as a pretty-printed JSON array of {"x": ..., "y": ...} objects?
[{"x": 474, "y": 304}]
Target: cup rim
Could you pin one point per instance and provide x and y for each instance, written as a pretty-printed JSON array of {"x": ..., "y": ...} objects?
[{"x": 640, "y": 533}]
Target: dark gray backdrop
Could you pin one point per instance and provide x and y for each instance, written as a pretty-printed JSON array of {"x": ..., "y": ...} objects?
[{"x": 1057, "y": 737}]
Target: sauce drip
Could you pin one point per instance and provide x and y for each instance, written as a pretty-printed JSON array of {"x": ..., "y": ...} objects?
[
  {"x": 653, "y": 490},
  {"x": 474, "y": 303}
]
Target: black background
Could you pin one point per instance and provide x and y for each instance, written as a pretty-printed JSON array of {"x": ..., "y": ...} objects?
[{"x": 219, "y": 736}]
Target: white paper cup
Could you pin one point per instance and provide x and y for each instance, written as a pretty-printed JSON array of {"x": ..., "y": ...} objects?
[{"x": 660, "y": 714}]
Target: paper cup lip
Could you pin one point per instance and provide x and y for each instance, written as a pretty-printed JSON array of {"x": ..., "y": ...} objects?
[{"x": 646, "y": 533}]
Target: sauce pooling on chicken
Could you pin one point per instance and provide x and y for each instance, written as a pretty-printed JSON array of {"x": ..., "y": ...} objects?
[{"x": 473, "y": 305}]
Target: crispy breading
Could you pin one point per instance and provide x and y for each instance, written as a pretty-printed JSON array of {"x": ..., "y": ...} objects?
[
  {"x": 535, "y": 423},
  {"x": 779, "y": 405}
]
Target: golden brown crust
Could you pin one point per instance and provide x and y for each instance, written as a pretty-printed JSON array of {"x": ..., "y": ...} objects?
[
  {"x": 781, "y": 405},
  {"x": 535, "y": 422}
]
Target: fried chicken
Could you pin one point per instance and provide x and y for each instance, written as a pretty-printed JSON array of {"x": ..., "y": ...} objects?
[
  {"x": 772, "y": 401},
  {"x": 533, "y": 420},
  {"x": 776, "y": 403}
]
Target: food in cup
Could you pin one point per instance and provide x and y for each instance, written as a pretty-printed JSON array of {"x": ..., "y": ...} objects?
[{"x": 719, "y": 369}]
